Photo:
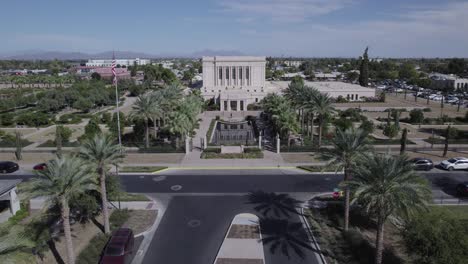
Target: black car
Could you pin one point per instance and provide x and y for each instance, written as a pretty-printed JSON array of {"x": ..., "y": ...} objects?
[
  {"x": 422, "y": 164},
  {"x": 462, "y": 189},
  {"x": 8, "y": 167}
]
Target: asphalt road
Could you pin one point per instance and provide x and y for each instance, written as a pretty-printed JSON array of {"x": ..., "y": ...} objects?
[{"x": 203, "y": 203}]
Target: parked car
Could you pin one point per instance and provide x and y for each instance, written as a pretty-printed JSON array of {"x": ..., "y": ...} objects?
[
  {"x": 119, "y": 248},
  {"x": 462, "y": 189},
  {"x": 8, "y": 166},
  {"x": 40, "y": 167},
  {"x": 459, "y": 163},
  {"x": 422, "y": 164}
]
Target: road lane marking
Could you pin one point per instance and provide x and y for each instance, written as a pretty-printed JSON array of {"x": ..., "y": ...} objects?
[{"x": 176, "y": 187}]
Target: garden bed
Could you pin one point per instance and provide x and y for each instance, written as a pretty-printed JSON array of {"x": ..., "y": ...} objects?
[
  {"x": 51, "y": 144},
  {"x": 92, "y": 252},
  {"x": 396, "y": 141},
  {"x": 357, "y": 245},
  {"x": 215, "y": 153}
]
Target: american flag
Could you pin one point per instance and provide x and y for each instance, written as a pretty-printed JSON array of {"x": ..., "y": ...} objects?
[{"x": 114, "y": 75}]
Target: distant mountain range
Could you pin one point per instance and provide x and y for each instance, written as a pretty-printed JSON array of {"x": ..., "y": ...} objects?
[{"x": 60, "y": 55}]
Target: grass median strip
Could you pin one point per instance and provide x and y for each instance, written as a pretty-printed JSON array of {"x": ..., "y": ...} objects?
[
  {"x": 148, "y": 169},
  {"x": 316, "y": 168}
]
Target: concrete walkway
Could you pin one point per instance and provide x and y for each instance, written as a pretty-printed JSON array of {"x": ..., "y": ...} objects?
[
  {"x": 38, "y": 204},
  {"x": 241, "y": 246},
  {"x": 193, "y": 159}
]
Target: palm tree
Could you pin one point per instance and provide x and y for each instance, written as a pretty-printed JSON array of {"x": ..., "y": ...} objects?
[
  {"x": 101, "y": 152},
  {"x": 286, "y": 123},
  {"x": 323, "y": 107},
  {"x": 386, "y": 186},
  {"x": 172, "y": 94},
  {"x": 310, "y": 108},
  {"x": 348, "y": 147},
  {"x": 64, "y": 178},
  {"x": 143, "y": 108},
  {"x": 272, "y": 204},
  {"x": 179, "y": 125},
  {"x": 157, "y": 111},
  {"x": 284, "y": 235}
]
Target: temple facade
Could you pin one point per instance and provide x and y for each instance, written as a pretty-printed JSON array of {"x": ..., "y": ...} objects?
[{"x": 233, "y": 82}]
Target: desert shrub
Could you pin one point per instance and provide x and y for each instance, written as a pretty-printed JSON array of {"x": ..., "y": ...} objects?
[{"x": 437, "y": 237}]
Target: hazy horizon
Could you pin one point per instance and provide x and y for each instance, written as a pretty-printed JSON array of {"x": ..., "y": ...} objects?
[{"x": 289, "y": 28}]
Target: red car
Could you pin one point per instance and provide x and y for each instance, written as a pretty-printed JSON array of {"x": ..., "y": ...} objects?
[
  {"x": 119, "y": 248},
  {"x": 40, "y": 167}
]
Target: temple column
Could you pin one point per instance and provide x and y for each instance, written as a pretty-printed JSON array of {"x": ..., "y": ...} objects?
[
  {"x": 229, "y": 105},
  {"x": 221, "y": 105}
]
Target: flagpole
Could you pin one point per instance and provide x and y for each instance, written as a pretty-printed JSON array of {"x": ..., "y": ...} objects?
[{"x": 118, "y": 115}]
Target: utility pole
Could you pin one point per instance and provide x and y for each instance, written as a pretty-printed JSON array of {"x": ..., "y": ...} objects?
[{"x": 118, "y": 116}]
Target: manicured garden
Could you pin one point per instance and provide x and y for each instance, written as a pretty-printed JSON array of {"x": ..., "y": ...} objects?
[{"x": 215, "y": 153}]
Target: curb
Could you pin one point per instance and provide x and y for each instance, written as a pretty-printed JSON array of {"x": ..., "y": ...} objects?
[{"x": 320, "y": 257}]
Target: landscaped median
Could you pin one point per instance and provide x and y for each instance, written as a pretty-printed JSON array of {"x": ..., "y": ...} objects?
[
  {"x": 437, "y": 235},
  {"x": 142, "y": 169},
  {"x": 215, "y": 153},
  {"x": 316, "y": 168}
]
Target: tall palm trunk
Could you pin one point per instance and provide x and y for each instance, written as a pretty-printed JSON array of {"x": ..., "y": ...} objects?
[
  {"x": 312, "y": 129},
  {"x": 379, "y": 241},
  {"x": 308, "y": 124},
  {"x": 302, "y": 121},
  {"x": 146, "y": 133},
  {"x": 347, "y": 201},
  {"x": 177, "y": 142},
  {"x": 105, "y": 210},
  {"x": 155, "y": 129},
  {"x": 320, "y": 131},
  {"x": 67, "y": 231}
]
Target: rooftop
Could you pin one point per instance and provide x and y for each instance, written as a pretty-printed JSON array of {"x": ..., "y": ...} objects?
[
  {"x": 7, "y": 185},
  {"x": 235, "y": 58},
  {"x": 323, "y": 86}
]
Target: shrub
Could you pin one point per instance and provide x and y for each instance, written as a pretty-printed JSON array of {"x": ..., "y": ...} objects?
[
  {"x": 427, "y": 109},
  {"x": 7, "y": 119},
  {"x": 65, "y": 133},
  {"x": 119, "y": 217},
  {"x": 33, "y": 119},
  {"x": 416, "y": 116},
  {"x": 69, "y": 119},
  {"x": 390, "y": 131},
  {"x": 437, "y": 236},
  {"x": 21, "y": 214},
  {"x": 106, "y": 118},
  {"x": 367, "y": 126}
]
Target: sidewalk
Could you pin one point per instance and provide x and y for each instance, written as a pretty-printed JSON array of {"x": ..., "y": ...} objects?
[{"x": 38, "y": 204}]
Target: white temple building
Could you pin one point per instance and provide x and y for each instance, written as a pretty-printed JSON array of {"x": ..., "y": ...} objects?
[{"x": 237, "y": 81}]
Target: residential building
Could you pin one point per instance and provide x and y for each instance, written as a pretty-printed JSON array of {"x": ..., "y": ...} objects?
[{"x": 118, "y": 62}]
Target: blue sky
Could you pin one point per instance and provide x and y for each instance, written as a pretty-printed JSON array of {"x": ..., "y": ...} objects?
[{"x": 319, "y": 28}]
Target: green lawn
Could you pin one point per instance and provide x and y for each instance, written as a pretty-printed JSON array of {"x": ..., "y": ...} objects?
[
  {"x": 129, "y": 197},
  {"x": 461, "y": 211},
  {"x": 142, "y": 168}
]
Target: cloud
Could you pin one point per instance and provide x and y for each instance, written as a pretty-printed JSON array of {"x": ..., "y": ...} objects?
[
  {"x": 424, "y": 32},
  {"x": 283, "y": 10}
]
